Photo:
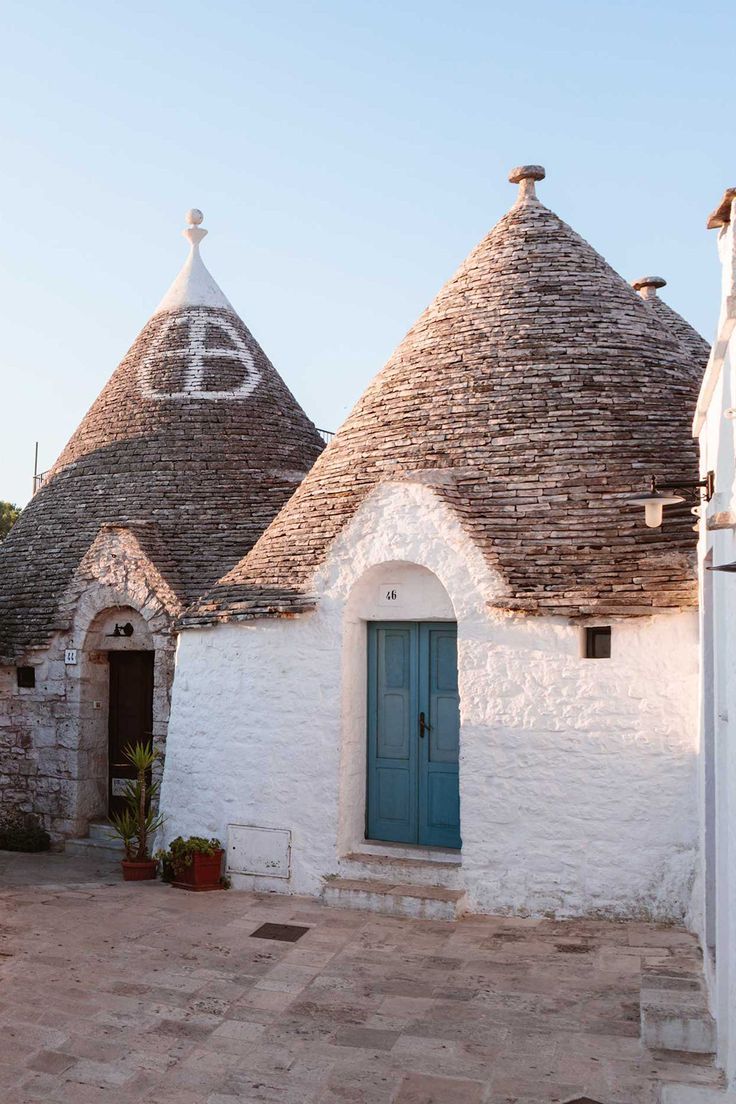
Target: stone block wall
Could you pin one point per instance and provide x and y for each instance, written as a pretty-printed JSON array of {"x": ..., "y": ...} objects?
[{"x": 53, "y": 737}]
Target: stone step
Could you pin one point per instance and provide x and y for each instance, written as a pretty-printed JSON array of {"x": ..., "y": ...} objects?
[
  {"x": 366, "y": 865},
  {"x": 674, "y": 1012},
  {"x": 425, "y": 902},
  {"x": 409, "y": 851},
  {"x": 110, "y": 849},
  {"x": 101, "y": 830}
]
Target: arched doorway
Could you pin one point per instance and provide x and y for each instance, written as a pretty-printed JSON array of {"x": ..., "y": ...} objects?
[
  {"x": 116, "y": 705},
  {"x": 401, "y": 711},
  {"x": 130, "y": 718},
  {"x": 413, "y": 731}
]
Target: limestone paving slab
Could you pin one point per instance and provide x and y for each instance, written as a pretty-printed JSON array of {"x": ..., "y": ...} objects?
[{"x": 140, "y": 994}]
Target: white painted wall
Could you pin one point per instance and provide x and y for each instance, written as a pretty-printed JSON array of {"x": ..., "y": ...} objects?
[
  {"x": 578, "y": 777},
  {"x": 717, "y": 435}
]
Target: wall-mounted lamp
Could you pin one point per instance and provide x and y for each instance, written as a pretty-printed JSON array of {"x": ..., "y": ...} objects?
[
  {"x": 653, "y": 500},
  {"x": 122, "y": 630}
]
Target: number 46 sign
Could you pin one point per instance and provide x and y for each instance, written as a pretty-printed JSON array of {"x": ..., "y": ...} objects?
[{"x": 389, "y": 594}]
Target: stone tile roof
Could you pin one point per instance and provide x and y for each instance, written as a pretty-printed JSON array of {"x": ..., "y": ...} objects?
[
  {"x": 547, "y": 389},
  {"x": 691, "y": 343},
  {"x": 195, "y": 443}
]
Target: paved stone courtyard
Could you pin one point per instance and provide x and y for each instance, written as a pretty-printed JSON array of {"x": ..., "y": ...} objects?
[{"x": 143, "y": 994}]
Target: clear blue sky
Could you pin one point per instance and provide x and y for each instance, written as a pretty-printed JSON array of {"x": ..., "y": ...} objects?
[{"x": 347, "y": 156}]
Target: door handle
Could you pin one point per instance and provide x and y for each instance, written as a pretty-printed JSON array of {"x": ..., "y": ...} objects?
[{"x": 424, "y": 726}]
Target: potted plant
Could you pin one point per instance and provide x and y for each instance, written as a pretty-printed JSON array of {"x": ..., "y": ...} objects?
[
  {"x": 193, "y": 863},
  {"x": 138, "y": 823}
]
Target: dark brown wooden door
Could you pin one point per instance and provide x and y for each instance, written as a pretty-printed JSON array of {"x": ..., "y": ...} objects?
[{"x": 131, "y": 716}]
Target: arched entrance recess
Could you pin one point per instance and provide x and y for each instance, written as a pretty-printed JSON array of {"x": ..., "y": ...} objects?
[
  {"x": 403, "y": 602},
  {"x": 116, "y": 705}
]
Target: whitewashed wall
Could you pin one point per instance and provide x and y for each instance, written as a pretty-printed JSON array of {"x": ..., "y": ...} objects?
[
  {"x": 577, "y": 777},
  {"x": 717, "y": 434}
]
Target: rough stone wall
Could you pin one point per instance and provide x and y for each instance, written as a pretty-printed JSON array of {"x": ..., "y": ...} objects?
[
  {"x": 577, "y": 776},
  {"x": 27, "y": 724},
  {"x": 53, "y": 738}
]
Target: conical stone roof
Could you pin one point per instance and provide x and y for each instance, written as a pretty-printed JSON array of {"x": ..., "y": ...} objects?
[
  {"x": 194, "y": 444},
  {"x": 545, "y": 389},
  {"x": 692, "y": 344}
]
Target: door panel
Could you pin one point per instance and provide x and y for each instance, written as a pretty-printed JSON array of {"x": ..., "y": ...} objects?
[
  {"x": 413, "y": 779},
  {"x": 393, "y": 796},
  {"x": 130, "y": 716},
  {"x": 444, "y": 734},
  {"x": 439, "y": 797},
  {"x": 443, "y": 800},
  {"x": 392, "y": 758},
  {"x": 394, "y": 728}
]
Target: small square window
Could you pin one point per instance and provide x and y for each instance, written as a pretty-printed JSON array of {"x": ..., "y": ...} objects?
[
  {"x": 598, "y": 642},
  {"x": 26, "y": 677}
]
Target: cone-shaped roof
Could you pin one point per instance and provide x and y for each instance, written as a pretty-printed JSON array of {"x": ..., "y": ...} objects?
[
  {"x": 548, "y": 390},
  {"x": 195, "y": 443},
  {"x": 693, "y": 345}
]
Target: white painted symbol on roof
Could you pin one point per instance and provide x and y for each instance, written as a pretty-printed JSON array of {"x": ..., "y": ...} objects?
[{"x": 193, "y": 363}]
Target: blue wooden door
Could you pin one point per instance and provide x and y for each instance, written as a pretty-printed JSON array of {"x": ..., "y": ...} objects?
[
  {"x": 413, "y": 734},
  {"x": 439, "y": 743}
]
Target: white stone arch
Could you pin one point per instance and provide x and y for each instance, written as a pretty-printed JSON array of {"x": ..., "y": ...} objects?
[
  {"x": 99, "y": 608},
  {"x": 404, "y": 536},
  {"x": 420, "y": 597},
  {"x": 408, "y": 521}
]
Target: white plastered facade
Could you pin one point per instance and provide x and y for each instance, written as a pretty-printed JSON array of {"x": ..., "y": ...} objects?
[
  {"x": 716, "y": 430},
  {"x": 577, "y": 776}
]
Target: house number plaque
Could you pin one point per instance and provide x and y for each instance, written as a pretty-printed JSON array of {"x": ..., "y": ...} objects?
[{"x": 389, "y": 594}]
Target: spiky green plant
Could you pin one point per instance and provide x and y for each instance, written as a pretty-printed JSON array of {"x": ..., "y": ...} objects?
[{"x": 137, "y": 823}]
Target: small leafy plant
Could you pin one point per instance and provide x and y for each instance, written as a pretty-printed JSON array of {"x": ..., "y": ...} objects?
[
  {"x": 138, "y": 823},
  {"x": 181, "y": 852}
]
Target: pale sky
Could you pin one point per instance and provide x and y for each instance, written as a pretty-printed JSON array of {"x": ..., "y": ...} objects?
[{"x": 347, "y": 156}]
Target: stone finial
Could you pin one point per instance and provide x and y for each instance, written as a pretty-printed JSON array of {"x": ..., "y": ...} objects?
[
  {"x": 525, "y": 176},
  {"x": 194, "y": 232},
  {"x": 647, "y": 286},
  {"x": 722, "y": 214}
]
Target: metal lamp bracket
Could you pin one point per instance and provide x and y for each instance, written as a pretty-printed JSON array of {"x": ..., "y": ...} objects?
[{"x": 702, "y": 491}]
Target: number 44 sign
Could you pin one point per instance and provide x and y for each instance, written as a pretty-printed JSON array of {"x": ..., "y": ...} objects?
[{"x": 389, "y": 594}]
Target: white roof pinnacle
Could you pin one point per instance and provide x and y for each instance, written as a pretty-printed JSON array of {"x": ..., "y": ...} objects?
[{"x": 194, "y": 286}]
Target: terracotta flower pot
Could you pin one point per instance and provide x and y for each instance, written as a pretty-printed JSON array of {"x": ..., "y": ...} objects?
[
  {"x": 139, "y": 871},
  {"x": 203, "y": 873}
]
